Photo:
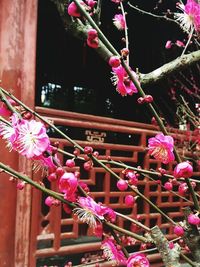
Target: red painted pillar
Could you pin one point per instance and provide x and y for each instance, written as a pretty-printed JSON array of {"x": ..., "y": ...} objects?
[{"x": 18, "y": 23}]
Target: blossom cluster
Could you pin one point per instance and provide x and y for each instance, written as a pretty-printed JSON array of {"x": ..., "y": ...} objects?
[
  {"x": 113, "y": 253},
  {"x": 29, "y": 138}
]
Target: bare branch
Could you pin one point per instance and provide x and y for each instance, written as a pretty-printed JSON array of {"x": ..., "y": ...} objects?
[
  {"x": 151, "y": 14},
  {"x": 79, "y": 30},
  {"x": 168, "y": 69}
]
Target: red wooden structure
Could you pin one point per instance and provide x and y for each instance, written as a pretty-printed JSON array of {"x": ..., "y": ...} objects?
[
  {"x": 125, "y": 142},
  {"x": 28, "y": 230},
  {"x": 18, "y": 22}
]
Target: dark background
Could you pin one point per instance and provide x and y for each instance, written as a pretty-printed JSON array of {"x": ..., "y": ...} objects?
[{"x": 69, "y": 62}]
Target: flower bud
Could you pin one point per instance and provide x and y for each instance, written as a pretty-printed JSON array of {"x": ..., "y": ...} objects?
[
  {"x": 183, "y": 169},
  {"x": 60, "y": 171},
  {"x": 92, "y": 34},
  {"x": 122, "y": 185},
  {"x": 129, "y": 200},
  {"x": 88, "y": 150},
  {"x": 178, "y": 230},
  {"x": 124, "y": 52},
  {"x": 140, "y": 100},
  {"x": 171, "y": 245},
  {"x": 52, "y": 177},
  {"x": 148, "y": 99},
  {"x": 91, "y": 3},
  {"x": 70, "y": 163},
  {"x": 162, "y": 171},
  {"x": 20, "y": 185},
  {"x": 114, "y": 61},
  {"x": 182, "y": 189},
  {"x": 193, "y": 219},
  {"x": 168, "y": 186},
  {"x": 93, "y": 43},
  {"x": 87, "y": 165},
  {"x": 73, "y": 10},
  {"x": 49, "y": 201}
]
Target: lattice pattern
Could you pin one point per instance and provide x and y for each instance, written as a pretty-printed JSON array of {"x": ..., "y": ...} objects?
[{"x": 58, "y": 230}]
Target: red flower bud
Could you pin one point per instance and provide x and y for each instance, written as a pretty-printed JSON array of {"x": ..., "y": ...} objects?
[
  {"x": 70, "y": 163},
  {"x": 141, "y": 100},
  {"x": 92, "y": 34},
  {"x": 88, "y": 150},
  {"x": 114, "y": 61},
  {"x": 183, "y": 169},
  {"x": 148, "y": 99},
  {"x": 87, "y": 165}
]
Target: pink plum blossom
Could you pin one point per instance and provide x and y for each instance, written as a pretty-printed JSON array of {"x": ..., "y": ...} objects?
[
  {"x": 111, "y": 252},
  {"x": 189, "y": 19},
  {"x": 139, "y": 260},
  {"x": 119, "y": 22},
  {"x": 161, "y": 148},
  {"x": 90, "y": 211},
  {"x": 183, "y": 169},
  {"x": 32, "y": 139},
  {"x": 122, "y": 81}
]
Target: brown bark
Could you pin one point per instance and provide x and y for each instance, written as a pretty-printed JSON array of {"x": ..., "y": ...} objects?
[{"x": 169, "y": 256}]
